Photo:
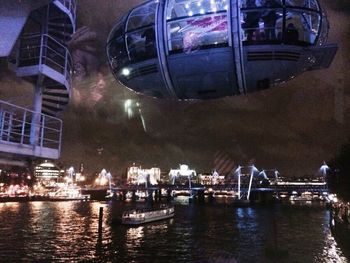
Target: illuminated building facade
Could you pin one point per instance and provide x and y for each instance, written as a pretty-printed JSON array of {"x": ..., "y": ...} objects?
[
  {"x": 203, "y": 49},
  {"x": 209, "y": 179},
  {"x": 136, "y": 175},
  {"x": 47, "y": 173},
  {"x": 182, "y": 175}
]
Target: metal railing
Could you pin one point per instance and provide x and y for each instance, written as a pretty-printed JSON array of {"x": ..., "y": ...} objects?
[
  {"x": 16, "y": 126},
  {"x": 71, "y": 6},
  {"x": 45, "y": 50}
]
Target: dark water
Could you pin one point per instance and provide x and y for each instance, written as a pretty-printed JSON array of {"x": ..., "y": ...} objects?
[{"x": 67, "y": 232}]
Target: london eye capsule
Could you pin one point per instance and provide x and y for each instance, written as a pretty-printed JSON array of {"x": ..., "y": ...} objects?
[{"x": 203, "y": 49}]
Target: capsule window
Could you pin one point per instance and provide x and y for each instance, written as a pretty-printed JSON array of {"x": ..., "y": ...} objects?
[
  {"x": 117, "y": 53},
  {"x": 197, "y": 33},
  {"x": 262, "y": 25},
  {"x": 261, "y": 3},
  {"x": 141, "y": 44},
  {"x": 176, "y": 9},
  {"x": 142, "y": 16},
  {"x": 301, "y": 27},
  {"x": 311, "y": 4},
  {"x": 118, "y": 29},
  {"x": 295, "y": 22}
]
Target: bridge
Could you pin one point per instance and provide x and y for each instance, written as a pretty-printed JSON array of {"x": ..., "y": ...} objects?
[
  {"x": 255, "y": 192},
  {"x": 289, "y": 188}
]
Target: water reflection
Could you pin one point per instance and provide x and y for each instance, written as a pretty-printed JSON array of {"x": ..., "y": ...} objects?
[
  {"x": 68, "y": 231},
  {"x": 331, "y": 251},
  {"x": 9, "y": 207},
  {"x": 134, "y": 237}
]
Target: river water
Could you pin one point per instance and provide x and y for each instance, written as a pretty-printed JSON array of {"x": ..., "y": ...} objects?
[{"x": 68, "y": 232}]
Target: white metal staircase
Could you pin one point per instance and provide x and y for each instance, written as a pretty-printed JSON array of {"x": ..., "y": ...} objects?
[{"x": 40, "y": 56}]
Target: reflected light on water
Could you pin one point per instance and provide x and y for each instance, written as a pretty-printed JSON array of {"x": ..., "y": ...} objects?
[
  {"x": 68, "y": 232},
  {"x": 9, "y": 207},
  {"x": 134, "y": 237},
  {"x": 331, "y": 250},
  {"x": 36, "y": 205}
]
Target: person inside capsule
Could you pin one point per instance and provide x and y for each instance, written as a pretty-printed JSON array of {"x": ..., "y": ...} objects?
[
  {"x": 296, "y": 22},
  {"x": 269, "y": 18},
  {"x": 150, "y": 41}
]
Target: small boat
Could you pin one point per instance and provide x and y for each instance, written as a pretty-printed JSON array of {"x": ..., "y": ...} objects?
[
  {"x": 300, "y": 198},
  {"x": 68, "y": 193},
  {"x": 305, "y": 197},
  {"x": 138, "y": 217}
]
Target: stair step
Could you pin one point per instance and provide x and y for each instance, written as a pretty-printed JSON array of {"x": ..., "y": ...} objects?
[
  {"x": 60, "y": 24},
  {"x": 52, "y": 107},
  {"x": 58, "y": 93},
  {"x": 56, "y": 99},
  {"x": 59, "y": 32},
  {"x": 53, "y": 110},
  {"x": 49, "y": 112},
  {"x": 55, "y": 88},
  {"x": 54, "y": 102}
]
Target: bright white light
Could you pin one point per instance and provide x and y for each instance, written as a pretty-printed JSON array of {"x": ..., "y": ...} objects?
[
  {"x": 187, "y": 6},
  {"x": 103, "y": 181},
  {"x": 324, "y": 168},
  {"x": 127, "y": 103},
  {"x": 253, "y": 169},
  {"x": 226, "y": 7},
  {"x": 199, "y": 3},
  {"x": 183, "y": 167},
  {"x": 190, "y": 13},
  {"x": 125, "y": 71},
  {"x": 202, "y": 11},
  {"x": 214, "y": 9},
  {"x": 238, "y": 170},
  {"x": 68, "y": 180}
]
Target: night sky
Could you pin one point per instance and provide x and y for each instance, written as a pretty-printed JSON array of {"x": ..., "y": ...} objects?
[{"x": 293, "y": 127}]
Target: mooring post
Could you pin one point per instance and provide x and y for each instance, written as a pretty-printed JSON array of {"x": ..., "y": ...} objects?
[
  {"x": 159, "y": 193},
  {"x": 201, "y": 198},
  {"x": 133, "y": 198},
  {"x": 100, "y": 217},
  {"x": 150, "y": 196},
  {"x": 168, "y": 195}
]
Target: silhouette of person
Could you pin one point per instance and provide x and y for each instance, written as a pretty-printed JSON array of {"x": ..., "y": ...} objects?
[
  {"x": 269, "y": 17},
  {"x": 252, "y": 20},
  {"x": 291, "y": 35},
  {"x": 150, "y": 40}
]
